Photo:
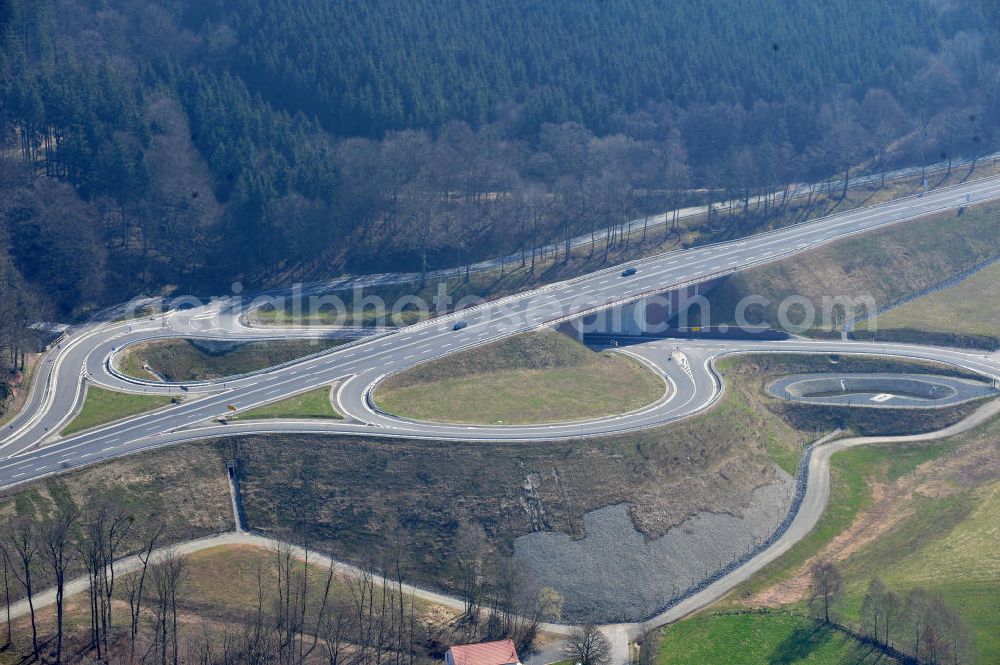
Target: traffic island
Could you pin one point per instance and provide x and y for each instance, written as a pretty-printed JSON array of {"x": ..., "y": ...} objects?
[
  {"x": 538, "y": 377},
  {"x": 881, "y": 390}
]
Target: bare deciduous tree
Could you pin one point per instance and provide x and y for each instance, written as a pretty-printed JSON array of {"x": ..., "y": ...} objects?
[
  {"x": 6, "y": 587},
  {"x": 57, "y": 548},
  {"x": 167, "y": 576},
  {"x": 873, "y": 608},
  {"x": 915, "y": 615},
  {"x": 826, "y": 589},
  {"x": 24, "y": 544},
  {"x": 649, "y": 645},
  {"x": 587, "y": 645},
  {"x": 470, "y": 548},
  {"x": 551, "y": 604},
  {"x": 134, "y": 585}
]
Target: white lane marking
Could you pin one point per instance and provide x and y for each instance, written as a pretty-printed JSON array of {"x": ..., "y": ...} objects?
[{"x": 872, "y": 222}]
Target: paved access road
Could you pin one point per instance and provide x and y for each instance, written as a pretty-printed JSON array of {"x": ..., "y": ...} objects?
[
  {"x": 620, "y": 635},
  {"x": 880, "y": 390},
  {"x": 30, "y": 447}
]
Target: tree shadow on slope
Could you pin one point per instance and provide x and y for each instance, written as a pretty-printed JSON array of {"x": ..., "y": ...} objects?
[
  {"x": 803, "y": 641},
  {"x": 806, "y": 641}
]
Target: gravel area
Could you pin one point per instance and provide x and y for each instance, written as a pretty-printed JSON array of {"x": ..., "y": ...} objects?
[{"x": 616, "y": 574}]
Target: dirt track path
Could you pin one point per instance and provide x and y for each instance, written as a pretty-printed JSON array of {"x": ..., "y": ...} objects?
[{"x": 817, "y": 496}]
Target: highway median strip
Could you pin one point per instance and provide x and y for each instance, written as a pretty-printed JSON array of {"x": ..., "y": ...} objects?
[
  {"x": 102, "y": 406},
  {"x": 314, "y": 403}
]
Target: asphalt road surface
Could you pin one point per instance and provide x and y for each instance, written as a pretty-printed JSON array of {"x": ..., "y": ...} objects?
[
  {"x": 57, "y": 391},
  {"x": 30, "y": 447},
  {"x": 880, "y": 391}
]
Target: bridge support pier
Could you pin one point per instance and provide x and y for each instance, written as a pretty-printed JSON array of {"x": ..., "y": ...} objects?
[{"x": 649, "y": 315}]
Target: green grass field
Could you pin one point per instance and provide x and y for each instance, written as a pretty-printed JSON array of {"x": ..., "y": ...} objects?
[
  {"x": 200, "y": 360},
  {"x": 310, "y": 404},
  {"x": 885, "y": 265},
  {"x": 967, "y": 309},
  {"x": 948, "y": 540},
  {"x": 533, "y": 378},
  {"x": 949, "y": 545},
  {"x": 852, "y": 472},
  {"x": 764, "y": 639},
  {"x": 104, "y": 406}
]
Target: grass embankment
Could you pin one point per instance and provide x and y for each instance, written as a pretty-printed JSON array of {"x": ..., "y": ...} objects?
[
  {"x": 320, "y": 311},
  {"x": 104, "y": 406},
  {"x": 886, "y": 265},
  {"x": 761, "y": 639},
  {"x": 311, "y": 404},
  {"x": 947, "y": 541},
  {"x": 180, "y": 360},
  {"x": 537, "y": 377},
  {"x": 966, "y": 314},
  {"x": 12, "y": 405},
  {"x": 853, "y": 473},
  {"x": 922, "y": 514},
  {"x": 184, "y": 488},
  {"x": 358, "y": 495},
  {"x": 348, "y": 489}
]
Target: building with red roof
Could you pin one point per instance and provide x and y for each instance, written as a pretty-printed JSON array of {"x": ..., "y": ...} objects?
[{"x": 501, "y": 652}]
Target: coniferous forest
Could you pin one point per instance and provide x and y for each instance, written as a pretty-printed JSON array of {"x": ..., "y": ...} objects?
[{"x": 182, "y": 144}]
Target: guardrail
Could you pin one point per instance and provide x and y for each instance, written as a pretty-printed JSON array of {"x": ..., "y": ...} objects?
[
  {"x": 451, "y": 316},
  {"x": 748, "y": 265}
]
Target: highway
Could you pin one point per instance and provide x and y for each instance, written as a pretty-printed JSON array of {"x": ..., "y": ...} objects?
[
  {"x": 57, "y": 392},
  {"x": 30, "y": 447}
]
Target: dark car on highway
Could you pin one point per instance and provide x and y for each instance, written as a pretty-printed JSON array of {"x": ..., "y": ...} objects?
[
  {"x": 459, "y": 325},
  {"x": 628, "y": 272}
]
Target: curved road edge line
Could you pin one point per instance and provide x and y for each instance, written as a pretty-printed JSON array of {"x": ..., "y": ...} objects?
[
  {"x": 813, "y": 506},
  {"x": 372, "y": 407},
  {"x": 803, "y": 523}
]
